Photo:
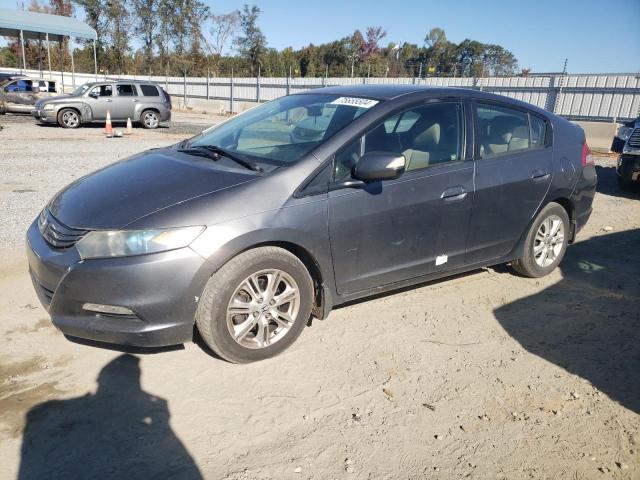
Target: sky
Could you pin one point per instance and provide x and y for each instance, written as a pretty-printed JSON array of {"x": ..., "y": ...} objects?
[{"x": 595, "y": 36}]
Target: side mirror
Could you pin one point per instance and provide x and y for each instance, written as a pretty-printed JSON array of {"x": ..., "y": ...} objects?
[
  {"x": 93, "y": 95},
  {"x": 376, "y": 166}
]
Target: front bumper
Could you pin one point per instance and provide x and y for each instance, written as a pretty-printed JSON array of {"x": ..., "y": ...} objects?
[
  {"x": 44, "y": 116},
  {"x": 162, "y": 290},
  {"x": 629, "y": 167}
]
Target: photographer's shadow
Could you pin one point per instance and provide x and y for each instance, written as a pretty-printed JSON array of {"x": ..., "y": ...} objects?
[
  {"x": 120, "y": 431},
  {"x": 589, "y": 322}
]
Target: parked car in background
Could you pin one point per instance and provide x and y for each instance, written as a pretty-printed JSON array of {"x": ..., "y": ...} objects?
[
  {"x": 247, "y": 230},
  {"x": 143, "y": 102},
  {"x": 20, "y": 94},
  {"x": 7, "y": 76},
  {"x": 627, "y": 144}
]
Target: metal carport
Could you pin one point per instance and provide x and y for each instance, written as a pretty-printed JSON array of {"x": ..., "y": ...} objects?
[{"x": 32, "y": 26}]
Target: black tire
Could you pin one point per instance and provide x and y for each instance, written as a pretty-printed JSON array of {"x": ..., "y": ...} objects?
[
  {"x": 150, "y": 119},
  {"x": 67, "y": 122},
  {"x": 211, "y": 314},
  {"x": 624, "y": 184},
  {"x": 527, "y": 265}
]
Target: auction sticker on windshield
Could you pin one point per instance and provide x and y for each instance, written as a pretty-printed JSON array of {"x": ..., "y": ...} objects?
[{"x": 355, "y": 102}]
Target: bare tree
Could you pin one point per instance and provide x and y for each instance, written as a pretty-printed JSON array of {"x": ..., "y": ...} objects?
[{"x": 223, "y": 30}]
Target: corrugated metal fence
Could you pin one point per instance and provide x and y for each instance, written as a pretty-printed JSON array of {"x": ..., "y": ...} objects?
[{"x": 604, "y": 97}]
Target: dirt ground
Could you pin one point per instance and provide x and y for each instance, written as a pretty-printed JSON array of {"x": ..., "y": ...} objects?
[{"x": 485, "y": 375}]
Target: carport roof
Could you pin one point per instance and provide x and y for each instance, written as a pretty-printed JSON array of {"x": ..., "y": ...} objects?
[{"x": 35, "y": 25}]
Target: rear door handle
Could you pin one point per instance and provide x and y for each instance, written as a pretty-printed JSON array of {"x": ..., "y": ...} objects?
[
  {"x": 108, "y": 100},
  {"x": 454, "y": 194},
  {"x": 134, "y": 99},
  {"x": 540, "y": 175}
]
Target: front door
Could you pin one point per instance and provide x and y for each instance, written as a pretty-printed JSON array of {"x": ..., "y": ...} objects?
[
  {"x": 100, "y": 100},
  {"x": 513, "y": 173},
  {"x": 399, "y": 229}
]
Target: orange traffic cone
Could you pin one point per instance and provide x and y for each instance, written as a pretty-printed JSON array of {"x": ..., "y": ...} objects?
[
  {"x": 108, "y": 129},
  {"x": 129, "y": 130}
]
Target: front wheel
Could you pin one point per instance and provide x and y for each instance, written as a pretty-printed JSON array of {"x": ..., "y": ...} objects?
[
  {"x": 68, "y": 118},
  {"x": 546, "y": 242},
  {"x": 256, "y": 305},
  {"x": 150, "y": 119}
]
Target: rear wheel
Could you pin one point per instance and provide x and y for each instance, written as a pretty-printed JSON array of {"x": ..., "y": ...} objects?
[
  {"x": 68, "y": 118},
  {"x": 150, "y": 119},
  {"x": 256, "y": 305},
  {"x": 546, "y": 242}
]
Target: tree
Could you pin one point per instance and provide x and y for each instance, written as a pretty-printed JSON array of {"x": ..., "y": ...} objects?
[
  {"x": 119, "y": 29},
  {"x": 146, "y": 27},
  {"x": 223, "y": 30},
  {"x": 252, "y": 43},
  {"x": 94, "y": 11},
  {"x": 374, "y": 35}
]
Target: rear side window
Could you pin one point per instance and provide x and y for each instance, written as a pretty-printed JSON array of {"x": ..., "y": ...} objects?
[
  {"x": 125, "y": 90},
  {"x": 501, "y": 130},
  {"x": 538, "y": 131},
  {"x": 149, "y": 91}
]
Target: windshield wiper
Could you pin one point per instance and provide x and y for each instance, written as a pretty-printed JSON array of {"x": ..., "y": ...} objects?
[{"x": 215, "y": 153}]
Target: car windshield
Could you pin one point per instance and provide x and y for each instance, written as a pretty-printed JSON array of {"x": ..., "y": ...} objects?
[
  {"x": 283, "y": 131},
  {"x": 80, "y": 90}
]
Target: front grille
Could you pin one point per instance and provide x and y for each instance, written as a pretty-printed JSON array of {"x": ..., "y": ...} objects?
[
  {"x": 634, "y": 139},
  {"x": 56, "y": 233}
]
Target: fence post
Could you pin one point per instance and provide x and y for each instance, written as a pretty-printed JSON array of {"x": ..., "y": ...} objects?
[
  {"x": 288, "y": 84},
  {"x": 231, "y": 103},
  {"x": 208, "y": 74},
  {"x": 184, "y": 88},
  {"x": 258, "y": 86}
]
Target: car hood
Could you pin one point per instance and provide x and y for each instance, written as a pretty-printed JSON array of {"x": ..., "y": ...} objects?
[
  {"x": 115, "y": 196},
  {"x": 55, "y": 99}
]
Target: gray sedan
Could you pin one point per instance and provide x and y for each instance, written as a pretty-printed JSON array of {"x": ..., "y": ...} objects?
[{"x": 249, "y": 229}]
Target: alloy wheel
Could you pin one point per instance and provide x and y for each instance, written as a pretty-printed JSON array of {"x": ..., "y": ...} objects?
[
  {"x": 151, "y": 119},
  {"x": 70, "y": 119},
  {"x": 549, "y": 241},
  {"x": 263, "y": 308}
]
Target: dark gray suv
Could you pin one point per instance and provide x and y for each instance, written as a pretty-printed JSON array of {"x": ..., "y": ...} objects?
[
  {"x": 143, "y": 102},
  {"x": 248, "y": 229}
]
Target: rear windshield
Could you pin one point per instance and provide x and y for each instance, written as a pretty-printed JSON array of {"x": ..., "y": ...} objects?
[
  {"x": 149, "y": 91},
  {"x": 283, "y": 131}
]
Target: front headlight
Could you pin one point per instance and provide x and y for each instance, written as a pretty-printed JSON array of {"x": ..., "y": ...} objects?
[
  {"x": 123, "y": 243},
  {"x": 624, "y": 133},
  {"x": 49, "y": 106}
]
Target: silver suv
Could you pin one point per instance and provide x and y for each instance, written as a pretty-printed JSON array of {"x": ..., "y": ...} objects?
[{"x": 143, "y": 102}]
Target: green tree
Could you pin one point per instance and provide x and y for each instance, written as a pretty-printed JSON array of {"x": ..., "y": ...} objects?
[{"x": 251, "y": 44}]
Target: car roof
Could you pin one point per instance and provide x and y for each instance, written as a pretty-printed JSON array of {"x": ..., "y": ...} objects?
[
  {"x": 143, "y": 82},
  {"x": 391, "y": 92}
]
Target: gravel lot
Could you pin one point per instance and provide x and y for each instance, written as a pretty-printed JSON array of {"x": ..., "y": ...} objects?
[
  {"x": 486, "y": 375},
  {"x": 37, "y": 161}
]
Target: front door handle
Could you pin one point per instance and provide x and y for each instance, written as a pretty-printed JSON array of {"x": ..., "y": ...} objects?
[
  {"x": 454, "y": 194},
  {"x": 134, "y": 99},
  {"x": 540, "y": 175},
  {"x": 108, "y": 100}
]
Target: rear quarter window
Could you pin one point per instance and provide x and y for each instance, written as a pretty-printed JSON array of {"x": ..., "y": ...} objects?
[{"x": 149, "y": 91}]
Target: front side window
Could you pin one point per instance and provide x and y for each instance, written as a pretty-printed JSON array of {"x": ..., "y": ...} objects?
[
  {"x": 20, "y": 86},
  {"x": 501, "y": 130},
  {"x": 102, "y": 91},
  {"x": 285, "y": 130},
  {"x": 428, "y": 135},
  {"x": 125, "y": 90}
]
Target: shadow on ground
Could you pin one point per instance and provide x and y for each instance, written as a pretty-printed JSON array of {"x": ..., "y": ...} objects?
[
  {"x": 589, "y": 322},
  {"x": 608, "y": 184},
  {"x": 120, "y": 432}
]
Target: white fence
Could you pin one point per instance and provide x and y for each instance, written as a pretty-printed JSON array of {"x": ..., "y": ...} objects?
[{"x": 606, "y": 97}]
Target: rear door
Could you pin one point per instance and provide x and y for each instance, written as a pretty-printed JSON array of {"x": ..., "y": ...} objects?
[
  {"x": 125, "y": 101},
  {"x": 399, "y": 229},
  {"x": 513, "y": 160}
]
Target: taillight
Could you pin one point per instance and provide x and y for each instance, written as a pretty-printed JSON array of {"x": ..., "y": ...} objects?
[{"x": 587, "y": 159}]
